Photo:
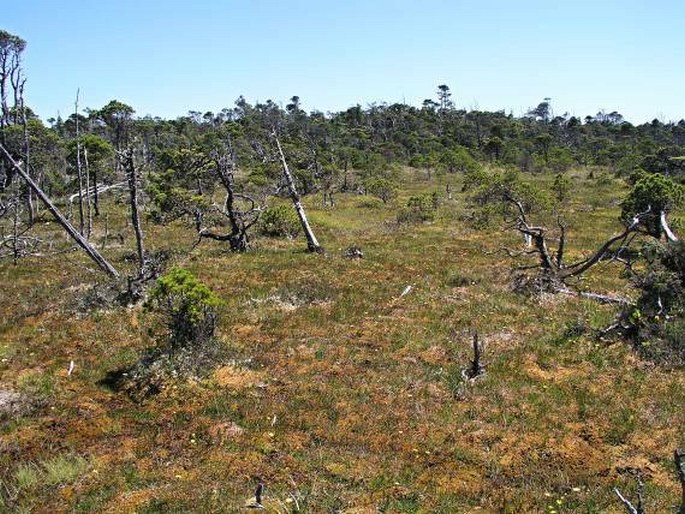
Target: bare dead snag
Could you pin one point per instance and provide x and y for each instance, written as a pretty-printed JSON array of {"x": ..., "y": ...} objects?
[
  {"x": 476, "y": 368},
  {"x": 79, "y": 169},
  {"x": 89, "y": 203},
  {"x": 80, "y": 240},
  {"x": 312, "y": 243},
  {"x": 27, "y": 153},
  {"x": 128, "y": 164}
]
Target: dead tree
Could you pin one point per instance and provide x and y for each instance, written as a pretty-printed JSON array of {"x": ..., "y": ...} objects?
[
  {"x": 476, "y": 368},
  {"x": 129, "y": 167},
  {"x": 78, "y": 238},
  {"x": 79, "y": 169},
  {"x": 554, "y": 272},
  {"x": 26, "y": 147},
  {"x": 239, "y": 219},
  {"x": 312, "y": 243}
]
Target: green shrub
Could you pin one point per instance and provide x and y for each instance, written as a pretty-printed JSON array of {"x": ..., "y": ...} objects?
[
  {"x": 655, "y": 193},
  {"x": 657, "y": 320},
  {"x": 369, "y": 203},
  {"x": 382, "y": 188},
  {"x": 279, "y": 221},
  {"x": 562, "y": 186},
  {"x": 189, "y": 305},
  {"x": 419, "y": 209}
]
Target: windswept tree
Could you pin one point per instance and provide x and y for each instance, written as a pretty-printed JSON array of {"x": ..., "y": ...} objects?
[
  {"x": 445, "y": 98},
  {"x": 11, "y": 77},
  {"x": 118, "y": 119},
  {"x": 517, "y": 201}
]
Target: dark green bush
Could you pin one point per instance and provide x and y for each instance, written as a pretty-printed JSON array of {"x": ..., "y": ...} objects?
[
  {"x": 188, "y": 305},
  {"x": 419, "y": 209},
  {"x": 279, "y": 221}
]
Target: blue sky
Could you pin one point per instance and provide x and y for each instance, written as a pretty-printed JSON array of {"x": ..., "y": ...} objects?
[{"x": 166, "y": 58}]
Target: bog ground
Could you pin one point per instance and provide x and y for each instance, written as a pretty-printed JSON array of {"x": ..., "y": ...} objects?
[{"x": 338, "y": 392}]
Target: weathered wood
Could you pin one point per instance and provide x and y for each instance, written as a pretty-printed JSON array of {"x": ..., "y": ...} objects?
[
  {"x": 80, "y": 240},
  {"x": 129, "y": 166},
  {"x": 312, "y": 243},
  {"x": 79, "y": 169},
  {"x": 99, "y": 188},
  {"x": 667, "y": 230}
]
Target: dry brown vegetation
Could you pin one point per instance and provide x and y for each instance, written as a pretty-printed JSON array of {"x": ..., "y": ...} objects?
[{"x": 337, "y": 392}]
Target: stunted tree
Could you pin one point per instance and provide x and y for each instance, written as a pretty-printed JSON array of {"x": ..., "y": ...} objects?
[
  {"x": 657, "y": 196},
  {"x": 11, "y": 77},
  {"x": 241, "y": 211},
  {"x": 118, "y": 118},
  {"x": 543, "y": 111},
  {"x": 444, "y": 98},
  {"x": 516, "y": 200}
]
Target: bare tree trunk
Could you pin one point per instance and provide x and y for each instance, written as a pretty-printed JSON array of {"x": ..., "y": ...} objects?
[
  {"x": 89, "y": 224},
  {"x": 78, "y": 169},
  {"x": 312, "y": 243},
  {"x": 96, "y": 195},
  {"x": 132, "y": 174},
  {"x": 27, "y": 154},
  {"x": 80, "y": 240},
  {"x": 15, "y": 228},
  {"x": 667, "y": 230}
]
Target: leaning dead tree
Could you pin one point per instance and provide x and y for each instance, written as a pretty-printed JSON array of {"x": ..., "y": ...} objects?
[
  {"x": 102, "y": 263},
  {"x": 679, "y": 460},
  {"x": 312, "y": 243},
  {"x": 240, "y": 210}
]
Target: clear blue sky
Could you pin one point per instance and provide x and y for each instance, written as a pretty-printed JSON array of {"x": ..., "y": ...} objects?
[{"x": 165, "y": 58}]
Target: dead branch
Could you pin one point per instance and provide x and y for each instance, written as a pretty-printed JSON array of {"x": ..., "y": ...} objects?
[
  {"x": 601, "y": 298},
  {"x": 680, "y": 471},
  {"x": 626, "y": 503},
  {"x": 101, "y": 188},
  {"x": 667, "y": 230}
]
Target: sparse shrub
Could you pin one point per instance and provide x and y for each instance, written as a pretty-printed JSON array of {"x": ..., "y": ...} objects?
[
  {"x": 189, "y": 306},
  {"x": 419, "y": 209},
  {"x": 369, "y": 203},
  {"x": 383, "y": 188},
  {"x": 190, "y": 350},
  {"x": 279, "y": 221},
  {"x": 562, "y": 186},
  {"x": 459, "y": 279}
]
